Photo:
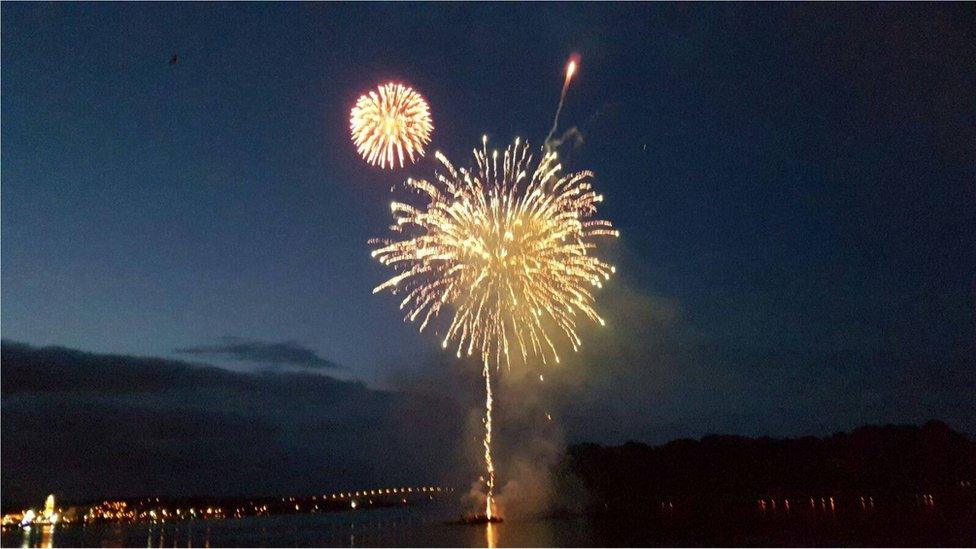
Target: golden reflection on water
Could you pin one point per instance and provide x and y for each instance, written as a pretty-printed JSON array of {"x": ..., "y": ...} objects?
[
  {"x": 491, "y": 536},
  {"x": 47, "y": 536},
  {"x": 38, "y": 536}
]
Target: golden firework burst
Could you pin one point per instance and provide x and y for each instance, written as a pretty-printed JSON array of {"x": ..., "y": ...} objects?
[
  {"x": 511, "y": 254},
  {"x": 390, "y": 125},
  {"x": 505, "y": 247}
]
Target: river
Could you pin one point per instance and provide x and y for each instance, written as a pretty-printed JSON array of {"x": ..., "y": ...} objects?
[{"x": 429, "y": 525}]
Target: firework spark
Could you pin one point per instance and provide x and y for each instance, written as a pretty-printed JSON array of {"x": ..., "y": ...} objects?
[
  {"x": 390, "y": 125},
  {"x": 508, "y": 249}
]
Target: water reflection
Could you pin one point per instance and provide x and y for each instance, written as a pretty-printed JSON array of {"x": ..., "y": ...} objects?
[
  {"x": 186, "y": 534},
  {"x": 795, "y": 521},
  {"x": 47, "y": 536},
  {"x": 37, "y": 536},
  {"x": 491, "y": 536}
]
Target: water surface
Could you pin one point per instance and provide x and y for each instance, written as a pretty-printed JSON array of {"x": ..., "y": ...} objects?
[{"x": 428, "y": 525}]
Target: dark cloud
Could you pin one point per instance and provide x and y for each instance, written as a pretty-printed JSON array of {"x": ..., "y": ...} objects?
[
  {"x": 287, "y": 353},
  {"x": 86, "y": 426}
]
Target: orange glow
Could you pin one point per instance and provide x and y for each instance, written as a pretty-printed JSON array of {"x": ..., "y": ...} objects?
[{"x": 571, "y": 67}]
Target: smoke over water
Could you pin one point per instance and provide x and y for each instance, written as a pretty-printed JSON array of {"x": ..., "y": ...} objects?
[
  {"x": 536, "y": 405},
  {"x": 529, "y": 445}
]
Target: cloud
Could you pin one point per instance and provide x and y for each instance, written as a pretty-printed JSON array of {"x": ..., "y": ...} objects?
[
  {"x": 119, "y": 426},
  {"x": 286, "y": 353}
]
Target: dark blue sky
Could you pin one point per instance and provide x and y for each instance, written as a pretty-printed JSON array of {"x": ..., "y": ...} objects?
[{"x": 794, "y": 185}]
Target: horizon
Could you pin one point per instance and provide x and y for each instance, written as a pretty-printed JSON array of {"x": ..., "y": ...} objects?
[{"x": 81, "y": 383}]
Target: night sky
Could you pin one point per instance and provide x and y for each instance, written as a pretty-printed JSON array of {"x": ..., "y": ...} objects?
[{"x": 794, "y": 185}]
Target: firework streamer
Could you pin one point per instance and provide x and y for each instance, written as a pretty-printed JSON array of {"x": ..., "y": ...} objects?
[{"x": 570, "y": 71}]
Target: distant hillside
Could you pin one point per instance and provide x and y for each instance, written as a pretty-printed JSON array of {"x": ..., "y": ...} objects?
[
  {"x": 84, "y": 426},
  {"x": 872, "y": 460}
]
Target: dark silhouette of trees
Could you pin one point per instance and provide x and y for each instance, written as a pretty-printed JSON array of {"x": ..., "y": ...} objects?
[{"x": 873, "y": 460}]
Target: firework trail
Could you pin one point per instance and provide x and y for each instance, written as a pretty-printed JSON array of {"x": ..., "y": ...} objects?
[
  {"x": 505, "y": 250},
  {"x": 389, "y": 122},
  {"x": 489, "y": 463},
  {"x": 570, "y": 71}
]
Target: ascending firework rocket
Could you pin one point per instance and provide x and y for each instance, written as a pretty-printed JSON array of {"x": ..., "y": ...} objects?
[{"x": 571, "y": 66}]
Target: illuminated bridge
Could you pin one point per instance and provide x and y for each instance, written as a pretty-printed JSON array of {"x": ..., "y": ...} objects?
[{"x": 179, "y": 509}]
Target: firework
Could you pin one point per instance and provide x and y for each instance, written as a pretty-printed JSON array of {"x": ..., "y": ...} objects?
[
  {"x": 391, "y": 125},
  {"x": 510, "y": 252},
  {"x": 571, "y": 67},
  {"x": 505, "y": 251}
]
